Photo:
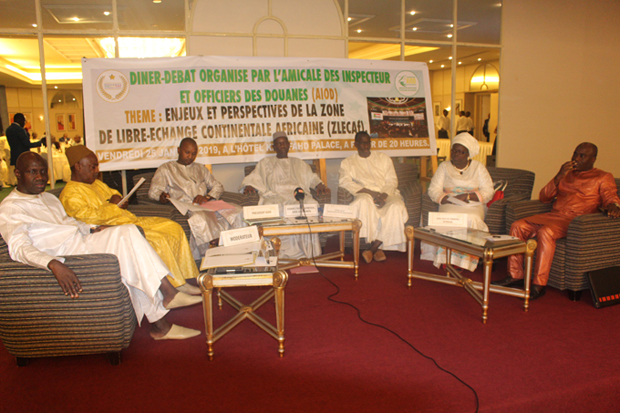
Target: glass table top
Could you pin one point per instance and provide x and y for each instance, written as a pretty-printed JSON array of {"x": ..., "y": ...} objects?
[{"x": 472, "y": 236}]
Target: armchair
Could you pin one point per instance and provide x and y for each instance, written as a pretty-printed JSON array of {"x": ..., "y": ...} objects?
[
  {"x": 592, "y": 243},
  {"x": 38, "y": 320},
  {"x": 520, "y": 184}
]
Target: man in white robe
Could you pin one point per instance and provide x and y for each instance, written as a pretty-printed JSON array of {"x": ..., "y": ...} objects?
[
  {"x": 275, "y": 179},
  {"x": 189, "y": 181},
  {"x": 370, "y": 177},
  {"x": 38, "y": 232}
]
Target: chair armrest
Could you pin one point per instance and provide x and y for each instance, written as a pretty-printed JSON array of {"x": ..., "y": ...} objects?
[
  {"x": 592, "y": 242},
  {"x": 496, "y": 214},
  {"x": 240, "y": 199},
  {"x": 344, "y": 197},
  {"x": 522, "y": 209},
  {"x": 37, "y": 319}
]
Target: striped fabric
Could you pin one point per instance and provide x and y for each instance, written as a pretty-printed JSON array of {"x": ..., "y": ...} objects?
[
  {"x": 409, "y": 187},
  {"x": 520, "y": 184},
  {"x": 592, "y": 243},
  {"x": 38, "y": 320}
]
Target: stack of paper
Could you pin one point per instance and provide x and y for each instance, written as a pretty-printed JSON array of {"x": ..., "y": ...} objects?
[{"x": 240, "y": 255}]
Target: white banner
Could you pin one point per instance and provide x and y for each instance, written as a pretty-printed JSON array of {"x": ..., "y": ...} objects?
[{"x": 137, "y": 110}]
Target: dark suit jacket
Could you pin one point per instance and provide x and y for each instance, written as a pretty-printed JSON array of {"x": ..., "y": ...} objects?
[{"x": 19, "y": 141}]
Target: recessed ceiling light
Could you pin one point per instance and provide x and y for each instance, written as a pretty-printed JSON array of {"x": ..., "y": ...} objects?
[
  {"x": 479, "y": 59},
  {"x": 75, "y": 19},
  {"x": 106, "y": 13},
  {"x": 412, "y": 13},
  {"x": 349, "y": 19},
  {"x": 359, "y": 30},
  {"x": 156, "y": 1},
  {"x": 449, "y": 36},
  {"x": 442, "y": 66},
  {"x": 415, "y": 28},
  {"x": 34, "y": 25},
  {"x": 450, "y": 58},
  {"x": 460, "y": 62},
  {"x": 451, "y": 25},
  {"x": 430, "y": 61},
  {"x": 55, "y": 87}
]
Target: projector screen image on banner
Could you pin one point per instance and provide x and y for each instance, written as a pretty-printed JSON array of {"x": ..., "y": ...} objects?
[{"x": 136, "y": 111}]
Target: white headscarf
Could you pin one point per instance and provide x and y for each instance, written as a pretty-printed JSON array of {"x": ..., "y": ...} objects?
[{"x": 467, "y": 141}]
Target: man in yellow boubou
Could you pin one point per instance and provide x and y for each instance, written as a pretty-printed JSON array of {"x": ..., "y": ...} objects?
[{"x": 92, "y": 201}]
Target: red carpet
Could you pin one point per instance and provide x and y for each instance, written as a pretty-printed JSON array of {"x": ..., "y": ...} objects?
[{"x": 559, "y": 357}]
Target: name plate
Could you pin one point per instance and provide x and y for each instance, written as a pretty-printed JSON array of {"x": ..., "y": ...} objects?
[
  {"x": 261, "y": 211},
  {"x": 447, "y": 219},
  {"x": 310, "y": 210},
  {"x": 340, "y": 211},
  {"x": 239, "y": 236}
]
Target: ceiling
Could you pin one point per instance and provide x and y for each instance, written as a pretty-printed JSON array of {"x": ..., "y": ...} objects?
[{"x": 372, "y": 26}]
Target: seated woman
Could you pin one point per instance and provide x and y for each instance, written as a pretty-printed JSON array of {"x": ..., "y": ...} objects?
[{"x": 467, "y": 180}]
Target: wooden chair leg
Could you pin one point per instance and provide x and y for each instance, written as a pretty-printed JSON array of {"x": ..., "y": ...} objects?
[
  {"x": 22, "y": 361},
  {"x": 114, "y": 358},
  {"x": 574, "y": 295}
]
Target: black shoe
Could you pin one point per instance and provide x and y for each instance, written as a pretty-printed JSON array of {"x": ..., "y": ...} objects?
[
  {"x": 508, "y": 282},
  {"x": 537, "y": 291}
]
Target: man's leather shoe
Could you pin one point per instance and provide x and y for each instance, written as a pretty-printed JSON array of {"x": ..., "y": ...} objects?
[
  {"x": 508, "y": 282},
  {"x": 537, "y": 291},
  {"x": 379, "y": 256},
  {"x": 179, "y": 333},
  {"x": 189, "y": 289},
  {"x": 183, "y": 300},
  {"x": 367, "y": 255}
]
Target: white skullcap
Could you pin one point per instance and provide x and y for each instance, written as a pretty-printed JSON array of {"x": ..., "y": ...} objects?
[{"x": 467, "y": 141}]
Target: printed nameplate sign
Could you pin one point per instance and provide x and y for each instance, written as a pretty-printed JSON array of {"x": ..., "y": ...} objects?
[
  {"x": 340, "y": 211},
  {"x": 447, "y": 219},
  {"x": 310, "y": 210},
  {"x": 261, "y": 211},
  {"x": 239, "y": 236}
]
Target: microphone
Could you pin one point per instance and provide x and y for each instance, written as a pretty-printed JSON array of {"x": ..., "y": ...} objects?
[{"x": 300, "y": 194}]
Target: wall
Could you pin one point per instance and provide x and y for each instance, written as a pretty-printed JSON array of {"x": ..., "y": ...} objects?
[
  {"x": 30, "y": 102},
  {"x": 559, "y": 85}
]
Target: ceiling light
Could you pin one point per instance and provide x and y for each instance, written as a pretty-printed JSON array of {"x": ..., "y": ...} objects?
[
  {"x": 460, "y": 62},
  {"x": 75, "y": 19},
  {"x": 106, "y": 13},
  {"x": 349, "y": 19},
  {"x": 479, "y": 59},
  {"x": 449, "y": 36},
  {"x": 442, "y": 66},
  {"x": 412, "y": 13},
  {"x": 144, "y": 46},
  {"x": 451, "y": 25},
  {"x": 450, "y": 58},
  {"x": 359, "y": 30},
  {"x": 156, "y": 1},
  {"x": 34, "y": 25},
  {"x": 430, "y": 61},
  {"x": 415, "y": 28},
  {"x": 55, "y": 87}
]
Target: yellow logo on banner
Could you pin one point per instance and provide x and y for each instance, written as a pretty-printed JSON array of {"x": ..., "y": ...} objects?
[{"x": 112, "y": 86}]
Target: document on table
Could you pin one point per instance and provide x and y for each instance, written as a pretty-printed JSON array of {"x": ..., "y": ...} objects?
[
  {"x": 232, "y": 260},
  {"x": 246, "y": 248},
  {"x": 216, "y": 205}
]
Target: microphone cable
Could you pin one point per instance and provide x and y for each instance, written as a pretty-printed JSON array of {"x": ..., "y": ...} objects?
[{"x": 359, "y": 315}]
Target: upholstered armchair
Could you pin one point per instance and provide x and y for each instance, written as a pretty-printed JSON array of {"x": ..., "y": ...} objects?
[
  {"x": 38, "y": 320},
  {"x": 409, "y": 187},
  {"x": 520, "y": 184},
  {"x": 592, "y": 243}
]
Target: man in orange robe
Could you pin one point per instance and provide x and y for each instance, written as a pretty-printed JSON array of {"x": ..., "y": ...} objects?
[{"x": 578, "y": 189}]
